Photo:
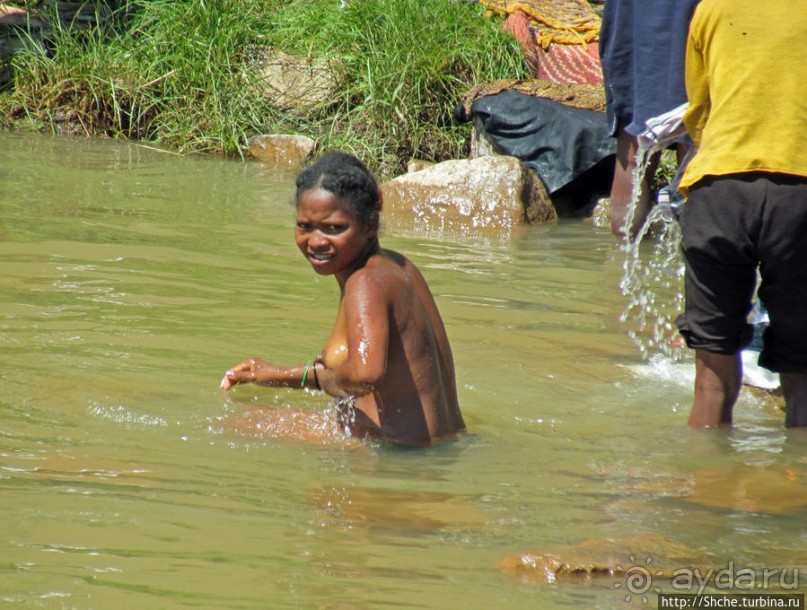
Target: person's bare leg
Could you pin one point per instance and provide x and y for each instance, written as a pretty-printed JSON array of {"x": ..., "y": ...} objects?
[
  {"x": 717, "y": 384},
  {"x": 794, "y": 388},
  {"x": 622, "y": 186}
]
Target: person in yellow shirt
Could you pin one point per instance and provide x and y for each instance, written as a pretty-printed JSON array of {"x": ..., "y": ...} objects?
[{"x": 747, "y": 199}]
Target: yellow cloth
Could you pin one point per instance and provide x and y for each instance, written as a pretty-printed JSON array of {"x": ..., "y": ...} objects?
[
  {"x": 746, "y": 81},
  {"x": 558, "y": 21}
]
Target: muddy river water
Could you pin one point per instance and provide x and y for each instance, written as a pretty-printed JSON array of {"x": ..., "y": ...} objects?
[{"x": 131, "y": 279}]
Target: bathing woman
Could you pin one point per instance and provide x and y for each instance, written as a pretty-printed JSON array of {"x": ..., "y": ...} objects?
[{"x": 388, "y": 359}]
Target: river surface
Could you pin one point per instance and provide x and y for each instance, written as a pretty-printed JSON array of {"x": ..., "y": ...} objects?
[{"x": 131, "y": 279}]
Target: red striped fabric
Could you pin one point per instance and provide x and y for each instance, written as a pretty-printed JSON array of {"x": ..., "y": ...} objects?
[{"x": 560, "y": 63}]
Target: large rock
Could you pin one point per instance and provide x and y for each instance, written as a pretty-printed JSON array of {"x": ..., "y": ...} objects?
[
  {"x": 294, "y": 83},
  {"x": 283, "y": 151},
  {"x": 484, "y": 195}
]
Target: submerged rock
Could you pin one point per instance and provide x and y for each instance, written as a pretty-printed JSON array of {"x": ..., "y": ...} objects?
[
  {"x": 773, "y": 489},
  {"x": 411, "y": 511},
  {"x": 488, "y": 194},
  {"x": 646, "y": 555},
  {"x": 283, "y": 151},
  {"x": 601, "y": 214}
]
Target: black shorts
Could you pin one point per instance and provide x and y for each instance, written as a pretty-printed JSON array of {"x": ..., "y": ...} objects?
[{"x": 732, "y": 226}]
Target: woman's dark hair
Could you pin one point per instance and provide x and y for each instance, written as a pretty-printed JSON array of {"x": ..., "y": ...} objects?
[{"x": 347, "y": 178}]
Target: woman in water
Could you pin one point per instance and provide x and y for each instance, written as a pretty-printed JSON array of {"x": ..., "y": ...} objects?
[{"x": 388, "y": 359}]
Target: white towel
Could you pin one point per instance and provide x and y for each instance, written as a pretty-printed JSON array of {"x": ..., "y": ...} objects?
[{"x": 664, "y": 130}]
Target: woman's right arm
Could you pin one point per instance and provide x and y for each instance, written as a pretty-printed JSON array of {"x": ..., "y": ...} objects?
[
  {"x": 253, "y": 370},
  {"x": 366, "y": 306}
]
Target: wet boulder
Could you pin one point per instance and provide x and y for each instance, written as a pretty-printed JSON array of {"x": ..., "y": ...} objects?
[
  {"x": 283, "y": 151},
  {"x": 484, "y": 195}
]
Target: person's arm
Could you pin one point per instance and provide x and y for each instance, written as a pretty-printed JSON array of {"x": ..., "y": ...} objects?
[
  {"x": 253, "y": 370},
  {"x": 367, "y": 311}
]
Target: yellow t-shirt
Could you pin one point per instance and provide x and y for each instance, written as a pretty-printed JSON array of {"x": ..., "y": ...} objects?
[{"x": 746, "y": 78}]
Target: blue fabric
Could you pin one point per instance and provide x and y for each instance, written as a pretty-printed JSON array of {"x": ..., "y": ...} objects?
[{"x": 642, "y": 53}]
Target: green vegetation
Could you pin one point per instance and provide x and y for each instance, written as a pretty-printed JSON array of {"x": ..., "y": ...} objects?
[{"x": 185, "y": 73}]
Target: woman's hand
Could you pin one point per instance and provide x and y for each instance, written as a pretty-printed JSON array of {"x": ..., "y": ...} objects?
[{"x": 252, "y": 370}]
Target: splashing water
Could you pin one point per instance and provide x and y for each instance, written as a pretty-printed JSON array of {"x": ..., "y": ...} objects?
[
  {"x": 653, "y": 273},
  {"x": 346, "y": 414}
]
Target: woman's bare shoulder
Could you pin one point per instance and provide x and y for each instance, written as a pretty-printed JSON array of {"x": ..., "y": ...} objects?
[
  {"x": 387, "y": 274},
  {"x": 396, "y": 258},
  {"x": 402, "y": 263},
  {"x": 378, "y": 273}
]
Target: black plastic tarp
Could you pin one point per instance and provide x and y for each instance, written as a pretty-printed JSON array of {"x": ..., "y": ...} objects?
[{"x": 561, "y": 143}]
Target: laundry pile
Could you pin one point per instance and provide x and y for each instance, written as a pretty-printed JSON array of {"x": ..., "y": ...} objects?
[{"x": 559, "y": 38}]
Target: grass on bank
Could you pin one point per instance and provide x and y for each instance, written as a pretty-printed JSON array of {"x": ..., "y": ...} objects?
[{"x": 184, "y": 73}]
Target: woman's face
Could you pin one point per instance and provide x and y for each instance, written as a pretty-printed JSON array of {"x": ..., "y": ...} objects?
[{"x": 329, "y": 235}]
